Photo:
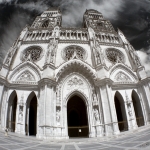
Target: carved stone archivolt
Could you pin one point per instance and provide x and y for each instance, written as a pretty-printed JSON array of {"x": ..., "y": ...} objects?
[
  {"x": 33, "y": 54},
  {"x": 115, "y": 56},
  {"x": 74, "y": 52}
]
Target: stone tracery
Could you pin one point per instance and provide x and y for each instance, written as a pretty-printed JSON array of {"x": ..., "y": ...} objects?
[
  {"x": 74, "y": 52},
  {"x": 115, "y": 56},
  {"x": 32, "y": 54}
]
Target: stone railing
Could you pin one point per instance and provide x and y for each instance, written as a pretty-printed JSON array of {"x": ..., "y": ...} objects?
[
  {"x": 38, "y": 35},
  {"x": 71, "y": 34},
  {"x": 74, "y": 35},
  {"x": 107, "y": 38}
]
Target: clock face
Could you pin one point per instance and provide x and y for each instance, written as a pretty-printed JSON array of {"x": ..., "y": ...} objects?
[{"x": 114, "y": 55}]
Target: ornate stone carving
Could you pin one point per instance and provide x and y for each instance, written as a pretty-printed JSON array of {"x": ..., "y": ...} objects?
[
  {"x": 129, "y": 109},
  {"x": 135, "y": 57},
  {"x": 52, "y": 46},
  {"x": 115, "y": 56},
  {"x": 21, "y": 105},
  {"x": 32, "y": 54},
  {"x": 122, "y": 77},
  {"x": 95, "y": 102},
  {"x": 58, "y": 117},
  {"x": 74, "y": 52},
  {"x": 75, "y": 82},
  {"x": 96, "y": 115},
  {"x": 26, "y": 76},
  {"x": 58, "y": 96}
]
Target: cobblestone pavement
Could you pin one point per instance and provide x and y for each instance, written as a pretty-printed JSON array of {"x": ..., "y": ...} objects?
[{"x": 138, "y": 139}]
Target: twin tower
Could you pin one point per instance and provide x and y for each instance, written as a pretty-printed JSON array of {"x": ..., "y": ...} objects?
[{"x": 59, "y": 82}]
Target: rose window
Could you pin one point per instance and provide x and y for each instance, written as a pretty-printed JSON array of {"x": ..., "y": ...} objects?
[
  {"x": 32, "y": 54},
  {"x": 74, "y": 52},
  {"x": 114, "y": 55}
]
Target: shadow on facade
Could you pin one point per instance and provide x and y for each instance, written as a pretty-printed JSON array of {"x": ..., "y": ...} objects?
[
  {"x": 77, "y": 118},
  {"x": 11, "y": 112},
  {"x": 31, "y": 115},
  {"x": 137, "y": 109},
  {"x": 120, "y": 111}
]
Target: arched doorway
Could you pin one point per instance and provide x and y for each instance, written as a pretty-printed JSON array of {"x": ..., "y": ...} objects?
[
  {"x": 11, "y": 112},
  {"x": 120, "y": 111},
  {"x": 77, "y": 117},
  {"x": 31, "y": 115},
  {"x": 137, "y": 109}
]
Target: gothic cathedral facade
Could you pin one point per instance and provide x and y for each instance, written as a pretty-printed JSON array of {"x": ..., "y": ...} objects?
[{"x": 59, "y": 82}]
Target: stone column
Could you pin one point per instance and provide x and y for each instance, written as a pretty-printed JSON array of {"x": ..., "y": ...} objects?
[
  {"x": 65, "y": 125},
  {"x": 90, "y": 121},
  {"x": 130, "y": 113},
  {"x": 106, "y": 109},
  {"x": 47, "y": 109},
  {"x": 20, "y": 116},
  {"x": 113, "y": 110}
]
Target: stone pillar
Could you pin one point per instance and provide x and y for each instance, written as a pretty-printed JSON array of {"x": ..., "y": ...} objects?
[
  {"x": 143, "y": 106},
  {"x": 90, "y": 121},
  {"x": 65, "y": 125},
  {"x": 113, "y": 111},
  {"x": 20, "y": 116},
  {"x": 46, "y": 109},
  {"x": 106, "y": 109},
  {"x": 130, "y": 113}
]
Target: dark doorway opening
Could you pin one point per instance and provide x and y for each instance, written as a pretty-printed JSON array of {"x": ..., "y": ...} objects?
[
  {"x": 120, "y": 111},
  {"x": 77, "y": 118},
  {"x": 14, "y": 108},
  {"x": 137, "y": 109},
  {"x": 33, "y": 116},
  {"x": 11, "y": 113}
]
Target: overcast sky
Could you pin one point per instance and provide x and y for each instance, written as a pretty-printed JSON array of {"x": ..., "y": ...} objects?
[{"x": 131, "y": 16}]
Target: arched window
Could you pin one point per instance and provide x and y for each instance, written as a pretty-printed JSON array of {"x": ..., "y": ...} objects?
[
  {"x": 114, "y": 55},
  {"x": 45, "y": 24},
  {"x": 32, "y": 54},
  {"x": 74, "y": 52}
]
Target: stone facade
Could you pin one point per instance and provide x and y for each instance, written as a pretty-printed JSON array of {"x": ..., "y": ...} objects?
[{"x": 49, "y": 64}]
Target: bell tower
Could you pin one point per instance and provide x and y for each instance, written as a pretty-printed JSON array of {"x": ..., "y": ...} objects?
[
  {"x": 48, "y": 19},
  {"x": 95, "y": 20}
]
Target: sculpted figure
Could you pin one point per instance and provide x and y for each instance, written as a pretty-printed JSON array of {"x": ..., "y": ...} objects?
[
  {"x": 96, "y": 115},
  {"x": 58, "y": 117},
  {"x": 51, "y": 51},
  {"x": 20, "y": 115}
]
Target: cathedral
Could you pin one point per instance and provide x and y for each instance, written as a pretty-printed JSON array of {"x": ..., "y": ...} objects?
[{"x": 60, "y": 82}]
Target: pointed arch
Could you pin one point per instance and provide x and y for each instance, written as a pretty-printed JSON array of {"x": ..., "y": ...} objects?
[
  {"x": 126, "y": 71},
  {"x": 77, "y": 115},
  {"x": 75, "y": 66},
  {"x": 137, "y": 108},
  {"x": 26, "y": 66},
  {"x": 31, "y": 114},
  {"x": 11, "y": 111},
  {"x": 79, "y": 94},
  {"x": 120, "y": 111}
]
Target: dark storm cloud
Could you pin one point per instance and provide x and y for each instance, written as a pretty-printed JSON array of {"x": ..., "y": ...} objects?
[{"x": 132, "y": 17}]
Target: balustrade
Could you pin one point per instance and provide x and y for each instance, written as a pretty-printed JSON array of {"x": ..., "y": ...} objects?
[{"x": 71, "y": 35}]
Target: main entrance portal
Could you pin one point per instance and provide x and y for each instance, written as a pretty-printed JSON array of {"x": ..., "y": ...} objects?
[{"x": 77, "y": 118}]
